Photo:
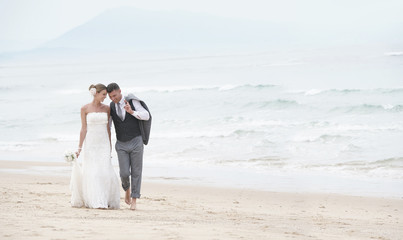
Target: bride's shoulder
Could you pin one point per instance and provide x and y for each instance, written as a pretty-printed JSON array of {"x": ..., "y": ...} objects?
[
  {"x": 104, "y": 106},
  {"x": 85, "y": 107}
]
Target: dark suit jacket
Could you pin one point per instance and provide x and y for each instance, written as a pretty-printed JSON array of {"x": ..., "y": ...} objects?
[{"x": 145, "y": 126}]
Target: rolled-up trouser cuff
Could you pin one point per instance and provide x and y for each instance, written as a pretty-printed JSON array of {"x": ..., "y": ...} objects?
[{"x": 135, "y": 195}]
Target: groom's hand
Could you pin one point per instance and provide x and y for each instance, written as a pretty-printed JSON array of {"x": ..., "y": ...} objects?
[{"x": 128, "y": 108}]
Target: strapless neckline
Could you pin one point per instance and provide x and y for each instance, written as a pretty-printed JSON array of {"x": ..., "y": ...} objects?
[{"x": 97, "y": 112}]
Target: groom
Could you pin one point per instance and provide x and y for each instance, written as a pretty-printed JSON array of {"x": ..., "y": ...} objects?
[{"x": 132, "y": 121}]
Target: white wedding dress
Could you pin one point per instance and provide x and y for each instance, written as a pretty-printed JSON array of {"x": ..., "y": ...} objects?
[{"x": 95, "y": 184}]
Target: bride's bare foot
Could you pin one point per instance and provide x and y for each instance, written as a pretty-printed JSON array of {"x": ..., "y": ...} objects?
[
  {"x": 128, "y": 200},
  {"x": 133, "y": 205}
]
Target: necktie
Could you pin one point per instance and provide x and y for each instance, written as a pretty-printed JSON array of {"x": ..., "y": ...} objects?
[{"x": 119, "y": 111}]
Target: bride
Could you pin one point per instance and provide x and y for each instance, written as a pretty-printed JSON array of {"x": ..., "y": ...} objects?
[{"x": 95, "y": 184}]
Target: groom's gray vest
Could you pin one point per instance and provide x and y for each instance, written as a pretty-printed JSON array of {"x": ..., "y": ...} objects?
[{"x": 131, "y": 127}]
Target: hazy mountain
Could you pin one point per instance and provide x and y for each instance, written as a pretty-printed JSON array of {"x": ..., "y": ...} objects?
[{"x": 131, "y": 28}]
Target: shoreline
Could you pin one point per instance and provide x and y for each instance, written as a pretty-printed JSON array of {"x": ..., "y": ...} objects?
[
  {"x": 36, "y": 206},
  {"x": 234, "y": 178}
]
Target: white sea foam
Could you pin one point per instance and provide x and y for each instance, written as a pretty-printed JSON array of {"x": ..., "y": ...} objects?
[
  {"x": 394, "y": 53},
  {"x": 169, "y": 88},
  {"x": 17, "y": 146},
  {"x": 177, "y": 88},
  {"x": 313, "y": 92}
]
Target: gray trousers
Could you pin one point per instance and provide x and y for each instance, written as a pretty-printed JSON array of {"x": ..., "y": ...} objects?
[{"x": 130, "y": 157}]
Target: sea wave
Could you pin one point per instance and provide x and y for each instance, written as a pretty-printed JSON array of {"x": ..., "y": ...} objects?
[
  {"x": 389, "y": 90},
  {"x": 245, "y": 133},
  {"x": 232, "y": 87},
  {"x": 275, "y": 104},
  {"x": 248, "y": 86},
  {"x": 17, "y": 146},
  {"x": 352, "y": 127},
  {"x": 170, "y": 89},
  {"x": 382, "y": 165},
  {"x": 390, "y": 167},
  {"x": 396, "y": 162},
  {"x": 212, "y": 134},
  {"x": 328, "y": 138},
  {"x": 385, "y": 168},
  {"x": 394, "y": 54},
  {"x": 264, "y": 161},
  {"x": 369, "y": 108},
  {"x": 313, "y": 92}
]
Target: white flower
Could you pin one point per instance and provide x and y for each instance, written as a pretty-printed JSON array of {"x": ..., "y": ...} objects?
[
  {"x": 69, "y": 156},
  {"x": 93, "y": 91}
]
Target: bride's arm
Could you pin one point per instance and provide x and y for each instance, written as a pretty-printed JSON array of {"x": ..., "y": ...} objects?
[
  {"x": 108, "y": 127},
  {"x": 83, "y": 131}
]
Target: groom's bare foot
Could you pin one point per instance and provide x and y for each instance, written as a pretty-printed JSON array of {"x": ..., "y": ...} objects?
[
  {"x": 133, "y": 205},
  {"x": 128, "y": 200}
]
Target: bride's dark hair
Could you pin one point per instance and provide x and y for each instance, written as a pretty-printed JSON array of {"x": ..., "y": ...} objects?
[{"x": 99, "y": 87}]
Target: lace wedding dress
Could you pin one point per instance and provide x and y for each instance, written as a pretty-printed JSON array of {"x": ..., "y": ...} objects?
[{"x": 95, "y": 184}]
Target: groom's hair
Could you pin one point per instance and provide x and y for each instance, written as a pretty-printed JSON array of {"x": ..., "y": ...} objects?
[{"x": 111, "y": 87}]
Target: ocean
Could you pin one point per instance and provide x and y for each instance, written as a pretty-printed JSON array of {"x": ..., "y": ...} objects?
[{"x": 318, "y": 120}]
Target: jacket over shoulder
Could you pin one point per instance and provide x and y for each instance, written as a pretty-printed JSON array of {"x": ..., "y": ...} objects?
[{"x": 145, "y": 126}]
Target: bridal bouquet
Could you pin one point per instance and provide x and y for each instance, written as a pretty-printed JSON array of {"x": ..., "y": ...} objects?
[{"x": 69, "y": 156}]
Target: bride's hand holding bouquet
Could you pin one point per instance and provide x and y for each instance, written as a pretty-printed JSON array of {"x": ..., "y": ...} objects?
[
  {"x": 70, "y": 157},
  {"x": 78, "y": 152}
]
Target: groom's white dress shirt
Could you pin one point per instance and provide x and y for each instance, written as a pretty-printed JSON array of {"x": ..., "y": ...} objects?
[{"x": 141, "y": 113}]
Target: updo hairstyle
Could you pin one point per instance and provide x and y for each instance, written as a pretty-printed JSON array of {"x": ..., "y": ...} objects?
[{"x": 99, "y": 87}]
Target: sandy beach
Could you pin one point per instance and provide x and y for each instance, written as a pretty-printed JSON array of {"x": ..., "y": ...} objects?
[{"x": 36, "y": 206}]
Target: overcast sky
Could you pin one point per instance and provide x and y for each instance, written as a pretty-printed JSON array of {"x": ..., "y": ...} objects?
[{"x": 41, "y": 20}]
